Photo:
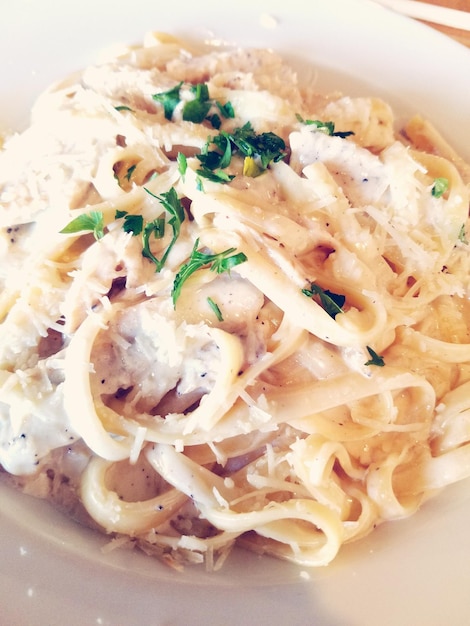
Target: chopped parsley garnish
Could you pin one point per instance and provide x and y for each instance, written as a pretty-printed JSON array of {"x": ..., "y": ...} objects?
[
  {"x": 219, "y": 262},
  {"x": 169, "y": 99},
  {"x": 132, "y": 223},
  {"x": 182, "y": 163},
  {"x": 462, "y": 235},
  {"x": 172, "y": 204},
  {"x": 216, "y": 176},
  {"x": 157, "y": 229},
  {"x": 123, "y": 107},
  {"x": 213, "y": 305},
  {"x": 196, "y": 110},
  {"x": 331, "y": 302},
  {"x": 92, "y": 221},
  {"x": 258, "y": 150},
  {"x": 213, "y": 161},
  {"x": 375, "y": 359},
  {"x": 220, "y": 158},
  {"x": 136, "y": 225},
  {"x": 130, "y": 171},
  {"x": 441, "y": 185},
  {"x": 226, "y": 110},
  {"x": 267, "y": 146},
  {"x": 214, "y": 120},
  {"x": 325, "y": 127}
]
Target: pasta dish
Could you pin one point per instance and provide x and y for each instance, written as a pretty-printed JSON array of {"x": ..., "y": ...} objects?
[{"x": 234, "y": 310}]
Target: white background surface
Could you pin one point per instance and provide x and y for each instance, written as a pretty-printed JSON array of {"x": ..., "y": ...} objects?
[{"x": 411, "y": 573}]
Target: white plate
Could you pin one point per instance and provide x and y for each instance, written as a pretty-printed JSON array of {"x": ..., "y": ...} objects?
[{"x": 413, "y": 572}]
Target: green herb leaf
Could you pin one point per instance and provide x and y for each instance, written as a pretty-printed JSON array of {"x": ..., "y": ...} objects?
[
  {"x": 214, "y": 120},
  {"x": 213, "y": 159},
  {"x": 92, "y": 221},
  {"x": 182, "y": 163},
  {"x": 226, "y": 109},
  {"x": 462, "y": 235},
  {"x": 157, "y": 229},
  {"x": 200, "y": 91},
  {"x": 258, "y": 150},
  {"x": 441, "y": 185},
  {"x": 215, "y": 309},
  {"x": 218, "y": 176},
  {"x": 123, "y": 107},
  {"x": 130, "y": 171},
  {"x": 375, "y": 359},
  {"x": 172, "y": 204},
  {"x": 169, "y": 99},
  {"x": 133, "y": 224},
  {"x": 267, "y": 146},
  {"x": 223, "y": 263},
  {"x": 331, "y": 302},
  {"x": 342, "y": 133},
  {"x": 325, "y": 127},
  {"x": 219, "y": 262},
  {"x": 196, "y": 111}
]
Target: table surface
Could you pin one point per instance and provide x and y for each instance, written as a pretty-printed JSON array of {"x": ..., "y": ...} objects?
[{"x": 460, "y": 35}]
